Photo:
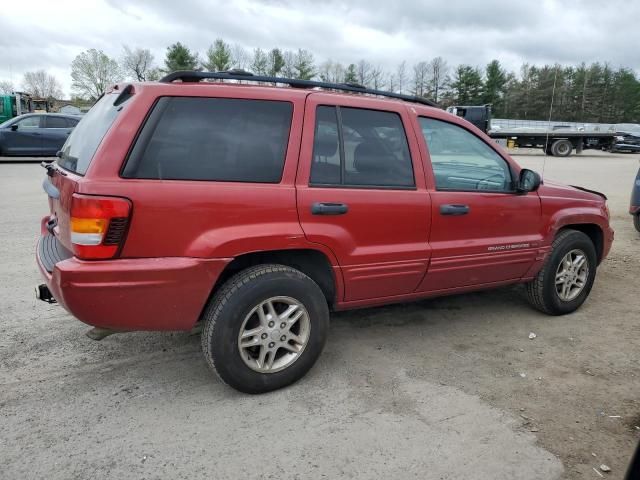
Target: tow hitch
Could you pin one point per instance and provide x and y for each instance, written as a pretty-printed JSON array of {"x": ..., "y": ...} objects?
[{"x": 43, "y": 293}]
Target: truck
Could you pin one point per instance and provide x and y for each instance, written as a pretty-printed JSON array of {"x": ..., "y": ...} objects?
[
  {"x": 558, "y": 141},
  {"x": 14, "y": 104}
]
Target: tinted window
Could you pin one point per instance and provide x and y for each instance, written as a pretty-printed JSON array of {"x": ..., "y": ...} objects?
[
  {"x": 188, "y": 138},
  {"x": 325, "y": 168},
  {"x": 56, "y": 122},
  {"x": 461, "y": 161},
  {"x": 78, "y": 150},
  {"x": 32, "y": 121},
  {"x": 374, "y": 149}
]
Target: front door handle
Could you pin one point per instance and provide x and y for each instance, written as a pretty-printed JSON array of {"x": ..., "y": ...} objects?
[
  {"x": 321, "y": 208},
  {"x": 454, "y": 209}
]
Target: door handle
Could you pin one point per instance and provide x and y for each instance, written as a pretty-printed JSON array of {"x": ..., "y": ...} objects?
[
  {"x": 319, "y": 208},
  {"x": 454, "y": 209}
]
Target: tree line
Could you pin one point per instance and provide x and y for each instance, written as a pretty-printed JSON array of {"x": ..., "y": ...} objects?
[{"x": 584, "y": 93}]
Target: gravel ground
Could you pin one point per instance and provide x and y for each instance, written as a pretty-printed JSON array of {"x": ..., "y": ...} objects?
[{"x": 431, "y": 389}]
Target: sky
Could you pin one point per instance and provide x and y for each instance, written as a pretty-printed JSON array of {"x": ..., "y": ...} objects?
[{"x": 48, "y": 35}]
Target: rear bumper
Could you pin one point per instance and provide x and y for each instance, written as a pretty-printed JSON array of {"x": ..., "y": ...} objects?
[
  {"x": 634, "y": 210},
  {"x": 133, "y": 294}
]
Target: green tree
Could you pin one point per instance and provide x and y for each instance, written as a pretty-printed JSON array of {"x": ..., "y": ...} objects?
[
  {"x": 275, "y": 62},
  {"x": 351, "y": 74},
  {"x": 218, "y": 57},
  {"x": 303, "y": 65},
  {"x": 467, "y": 85},
  {"x": 260, "y": 62},
  {"x": 495, "y": 84},
  {"x": 179, "y": 57}
]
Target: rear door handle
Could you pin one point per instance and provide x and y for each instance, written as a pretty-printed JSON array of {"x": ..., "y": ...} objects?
[
  {"x": 454, "y": 209},
  {"x": 319, "y": 208}
]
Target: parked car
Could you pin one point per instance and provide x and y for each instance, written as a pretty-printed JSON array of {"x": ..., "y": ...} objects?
[
  {"x": 35, "y": 134},
  {"x": 634, "y": 208},
  {"x": 257, "y": 210},
  {"x": 626, "y": 142}
]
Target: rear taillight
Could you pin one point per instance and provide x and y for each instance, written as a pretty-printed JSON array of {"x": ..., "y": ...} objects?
[{"x": 98, "y": 225}]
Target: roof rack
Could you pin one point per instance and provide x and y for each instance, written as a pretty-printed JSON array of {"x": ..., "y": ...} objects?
[{"x": 195, "y": 76}]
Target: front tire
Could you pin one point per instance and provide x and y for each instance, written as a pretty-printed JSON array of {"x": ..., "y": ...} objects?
[
  {"x": 567, "y": 276},
  {"x": 265, "y": 328}
]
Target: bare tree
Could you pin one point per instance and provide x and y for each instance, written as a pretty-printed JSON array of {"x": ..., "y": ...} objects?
[
  {"x": 393, "y": 84},
  {"x": 377, "y": 78},
  {"x": 42, "y": 85},
  {"x": 420, "y": 73},
  {"x": 137, "y": 63},
  {"x": 240, "y": 58},
  {"x": 363, "y": 70},
  {"x": 338, "y": 72},
  {"x": 6, "y": 86},
  {"x": 330, "y": 71},
  {"x": 92, "y": 72},
  {"x": 438, "y": 70},
  {"x": 401, "y": 75}
]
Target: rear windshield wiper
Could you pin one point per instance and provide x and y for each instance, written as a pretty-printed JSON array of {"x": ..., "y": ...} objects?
[{"x": 51, "y": 169}]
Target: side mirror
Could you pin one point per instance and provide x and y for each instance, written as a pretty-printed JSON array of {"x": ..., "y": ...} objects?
[
  {"x": 529, "y": 181},
  {"x": 14, "y": 127}
]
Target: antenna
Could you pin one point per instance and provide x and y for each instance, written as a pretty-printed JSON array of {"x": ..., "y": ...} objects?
[{"x": 546, "y": 142}]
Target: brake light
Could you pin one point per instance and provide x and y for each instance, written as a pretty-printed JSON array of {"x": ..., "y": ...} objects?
[{"x": 98, "y": 225}]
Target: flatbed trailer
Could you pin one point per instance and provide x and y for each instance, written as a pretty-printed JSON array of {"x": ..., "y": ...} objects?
[{"x": 556, "y": 142}]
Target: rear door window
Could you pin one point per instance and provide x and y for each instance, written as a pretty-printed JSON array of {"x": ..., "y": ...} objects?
[
  {"x": 360, "y": 148},
  {"x": 55, "y": 122},
  {"x": 216, "y": 139},
  {"x": 80, "y": 147}
]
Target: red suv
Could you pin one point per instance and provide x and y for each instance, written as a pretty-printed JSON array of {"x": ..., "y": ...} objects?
[{"x": 258, "y": 209}]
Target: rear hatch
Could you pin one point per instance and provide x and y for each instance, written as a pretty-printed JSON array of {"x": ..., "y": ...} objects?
[{"x": 73, "y": 162}]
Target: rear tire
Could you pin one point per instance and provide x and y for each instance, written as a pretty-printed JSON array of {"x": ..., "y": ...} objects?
[
  {"x": 636, "y": 221},
  {"x": 249, "y": 340},
  {"x": 561, "y": 148},
  {"x": 546, "y": 292}
]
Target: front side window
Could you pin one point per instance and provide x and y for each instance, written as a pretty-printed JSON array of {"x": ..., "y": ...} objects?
[
  {"x": 360, "y": 148},
  {"x": 217, "y": 139},
  {"x": 463, "y": 162},
  {"x": 29, "y": 122}
]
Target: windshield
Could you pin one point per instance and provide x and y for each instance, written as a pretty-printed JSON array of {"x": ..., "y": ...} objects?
[{"x": 80, "y": 147}]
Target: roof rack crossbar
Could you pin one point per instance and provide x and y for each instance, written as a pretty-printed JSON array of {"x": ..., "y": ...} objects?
[{"x": 195, "y": 76}]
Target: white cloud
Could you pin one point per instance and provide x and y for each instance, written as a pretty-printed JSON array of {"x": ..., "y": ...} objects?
[{"x": 383, "y": 32}]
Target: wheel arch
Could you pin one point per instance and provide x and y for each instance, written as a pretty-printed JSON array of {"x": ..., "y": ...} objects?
[
  {"x": 591, "y": 230},
  {"x": 313, "y": 263}
]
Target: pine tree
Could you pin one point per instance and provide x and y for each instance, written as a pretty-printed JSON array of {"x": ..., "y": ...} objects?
[
  {"x": 467, "y": 85},
  {"x": 303, "y": 65},
  {"x": 260, "y": 61},
  {"x": 179, "y": 57},
  {"x": 351, "y": 74},
  {"x": 218, "y": 57},
  {"x": 275, "y": 62}
]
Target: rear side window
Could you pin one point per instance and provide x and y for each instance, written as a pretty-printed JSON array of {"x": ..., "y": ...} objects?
[
  {"x": 360, "y": 148},
  {"x": 56, "y": 122},
  {"x": 83, "y": 142},
  {"x": 216, "y": 139}
]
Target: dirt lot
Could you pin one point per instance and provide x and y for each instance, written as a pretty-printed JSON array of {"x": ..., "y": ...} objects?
[{"x": 432, "y": 389}]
